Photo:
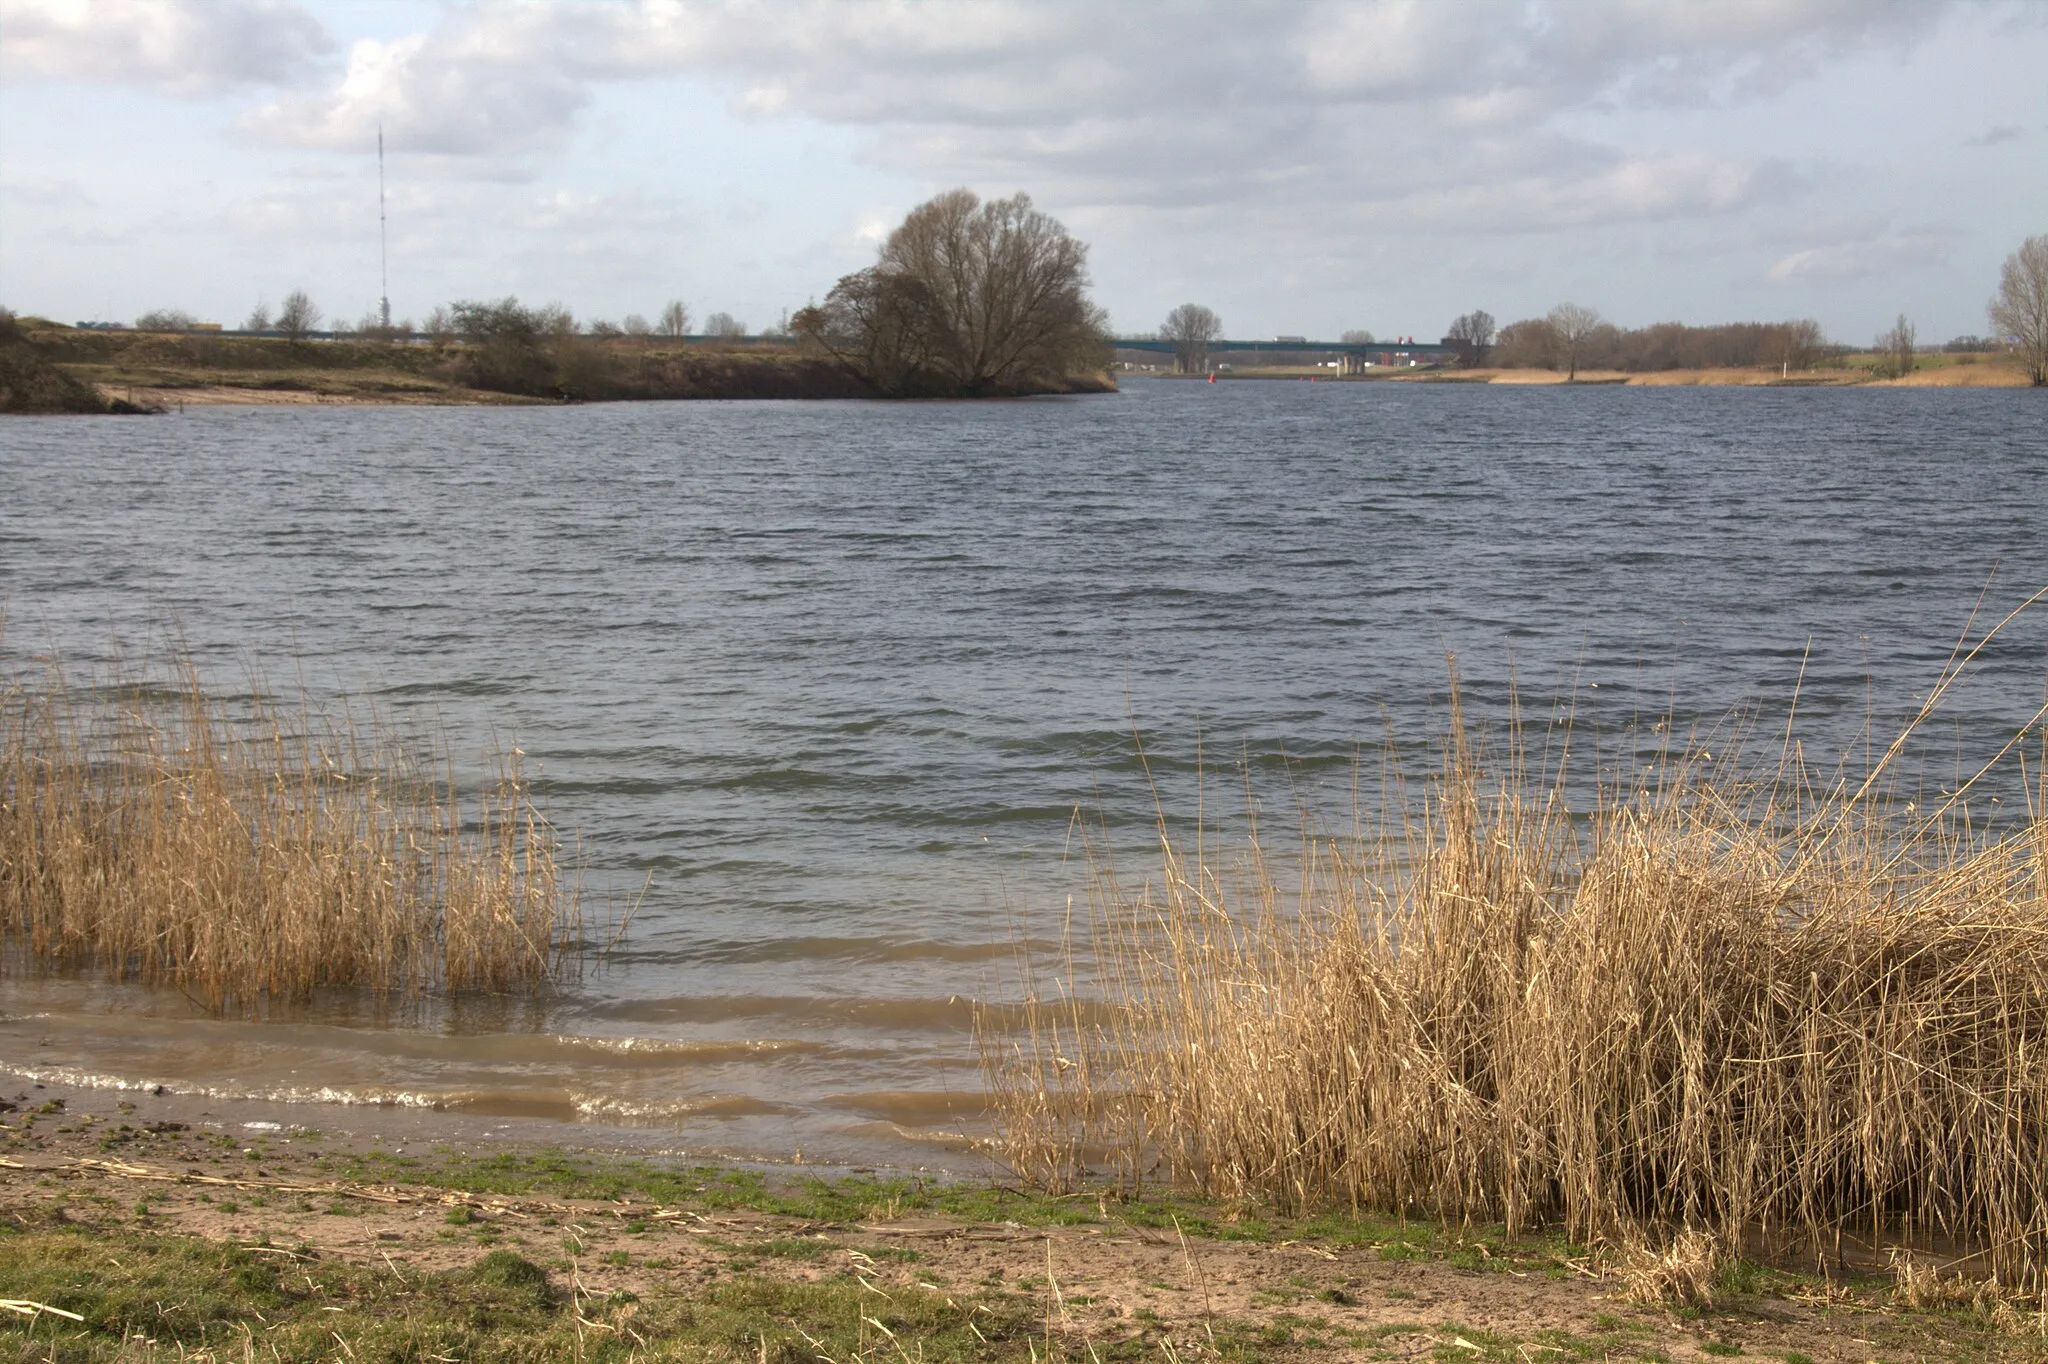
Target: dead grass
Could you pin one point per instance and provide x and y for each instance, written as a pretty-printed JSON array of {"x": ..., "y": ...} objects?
[
  {"x": 1683, "y": 1271},
  {"x": 246, "y": 856},
  {"x": 1745, "y": 1005}
]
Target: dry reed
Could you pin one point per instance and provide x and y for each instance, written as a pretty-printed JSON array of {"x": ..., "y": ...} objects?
[
  {"x": 252, "y": 858},
  {"x": 1712, "y": 1009}
]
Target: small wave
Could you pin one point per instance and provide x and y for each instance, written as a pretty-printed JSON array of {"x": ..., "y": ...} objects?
[
  {"x": 924, "y": 1108},
  {"x": 562, "y": 1105},
  {"x": 71, "y": 1077},
  {"x": 670, "y": 1047},
  {"x": 917, "y": 1136},
  {"x": 653, "y": 1112},
  {"x": 670, "y": 1051}
]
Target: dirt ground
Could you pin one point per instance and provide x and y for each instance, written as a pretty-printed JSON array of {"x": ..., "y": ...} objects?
[
  {"x": 322, "y": 392},
  {"x": 98, "y": 1156}
]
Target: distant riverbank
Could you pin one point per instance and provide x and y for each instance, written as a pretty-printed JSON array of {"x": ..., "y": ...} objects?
[
  {"x": 1940, "y": 372},
  {"x": 85, "y": 370}
]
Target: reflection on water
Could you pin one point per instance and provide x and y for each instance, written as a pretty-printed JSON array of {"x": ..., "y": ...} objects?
[{"x": 831, "y": 680}]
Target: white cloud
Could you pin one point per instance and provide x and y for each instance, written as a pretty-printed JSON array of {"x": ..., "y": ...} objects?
[
  {"x": 465, "y": 97},
  {"x": 177, "y": 47},
  {"x": 1992, "y": 137},
  {"x": 49, "y": 193},
  {"x": 1342, "y": 107},
  {"x": 1859, "y": 259}
]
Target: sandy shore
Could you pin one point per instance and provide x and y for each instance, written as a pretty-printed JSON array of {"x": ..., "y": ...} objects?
[
  {"x": 412, "y": 1195},
  {"x": 228, "y": 395},
  {"x": 1947, "y": 376}
]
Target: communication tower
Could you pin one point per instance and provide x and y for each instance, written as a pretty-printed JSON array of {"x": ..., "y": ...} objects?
[{"x": 383, "y": 244}]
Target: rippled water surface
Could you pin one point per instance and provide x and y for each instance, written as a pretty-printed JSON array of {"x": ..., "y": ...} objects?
[{"x": 837, "y": 676}]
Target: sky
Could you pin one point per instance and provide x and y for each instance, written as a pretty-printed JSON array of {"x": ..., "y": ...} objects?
[{"x": 1302, "y": 168}]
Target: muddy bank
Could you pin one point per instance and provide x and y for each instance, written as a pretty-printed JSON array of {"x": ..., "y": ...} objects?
[{"x": 147, "y": 1177}]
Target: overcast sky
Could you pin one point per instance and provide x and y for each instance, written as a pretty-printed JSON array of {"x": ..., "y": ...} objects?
[{"x": 1301, "y": 168}]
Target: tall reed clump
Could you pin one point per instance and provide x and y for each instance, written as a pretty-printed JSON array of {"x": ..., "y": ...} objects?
[
  {"x": 1711, "y": 1006},
  {"x": 253, "y": 859}
]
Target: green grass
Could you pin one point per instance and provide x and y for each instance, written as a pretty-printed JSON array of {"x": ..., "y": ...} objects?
[
  {"x": 187, "y": 1295},
  {"x": 855, "y": 1199}
]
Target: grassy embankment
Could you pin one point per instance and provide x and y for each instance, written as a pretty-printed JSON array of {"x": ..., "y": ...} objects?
[
  {"x": 147, "y": 369},
  {"x": 248, "y": 859},
  {"x": 192, "y": 367},
  {"x": 29, "y": 382}
]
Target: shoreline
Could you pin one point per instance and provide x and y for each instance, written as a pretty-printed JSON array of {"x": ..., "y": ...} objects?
[
  {"x": 1980, "y": 376},
  {"x": 172, "y": 397},
  {"x": 626, "y": 1234},
  {"x": 57, "y": 369}
]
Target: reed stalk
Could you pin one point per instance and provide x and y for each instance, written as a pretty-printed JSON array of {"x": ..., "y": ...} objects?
[
  {"x": 251, "y": 857},
  {"x": 1713, "y": 1005}
]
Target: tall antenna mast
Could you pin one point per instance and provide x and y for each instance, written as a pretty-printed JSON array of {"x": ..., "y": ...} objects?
[{"x": 383, "y": 242}]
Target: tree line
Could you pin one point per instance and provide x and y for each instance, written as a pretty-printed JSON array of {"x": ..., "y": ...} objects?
[
  {"x": 966, "y": 299},
  {"x": 1572, "y": 337},
  {"x": 971, "y": 299}
]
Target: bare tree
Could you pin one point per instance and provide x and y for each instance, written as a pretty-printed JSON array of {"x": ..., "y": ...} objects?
[
  {"x": 297, "y": 316},
  {"x": 440, "y": 326},
  {"x": 724, "y": 325},
  {"x": 506, "y": 347},
  {"x": 1894, "y": 349},
  {"x": 258, "y": 319},
  {"x": 2021, "y": 309},
  {"x": 636, "y": 325},
  {"x": 1006, "y": 284},
  {"x": 1571, "y": 325},
  {"x": 1473, "y": 335},
  {"x": 165, "y": 320},
  {"x": 1191, "y": 327},
  {"x": 967, "y": 298},
  {"x": 1794, "y": 345},
  {"x": 1357, "y": 336},
  {"x": 675, "y": 319},
  {"x": 881, "y": 325}
]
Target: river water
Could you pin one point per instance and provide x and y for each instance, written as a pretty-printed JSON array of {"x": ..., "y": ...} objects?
[{"x": 833, "y": 679}]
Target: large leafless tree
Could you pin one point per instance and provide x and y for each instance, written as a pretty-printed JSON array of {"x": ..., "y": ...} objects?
[
  {"x": 1572, "y": 324},
  {"x": 1472, "y": 334},
  {"x": 1191, "y": 327},
  {"x": 297, "y": 317},
  {"x": 2020, "y": 311},
  {"x": 967, "y": 298}
]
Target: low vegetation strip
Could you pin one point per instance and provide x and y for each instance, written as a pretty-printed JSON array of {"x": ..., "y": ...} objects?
[
  {"x": 133, "y": 1238},
  {"x": 528, "y": 366},
  {"x": 1737, "y": 1007},
  {"x": 245, "y": 859}
]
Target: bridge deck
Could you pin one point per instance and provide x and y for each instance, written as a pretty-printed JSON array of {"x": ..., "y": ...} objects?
[{"x": 1416, "y": 348}]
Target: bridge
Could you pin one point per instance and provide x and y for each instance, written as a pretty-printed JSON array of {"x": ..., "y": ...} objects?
[{"x": 1356, "y": 354}]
